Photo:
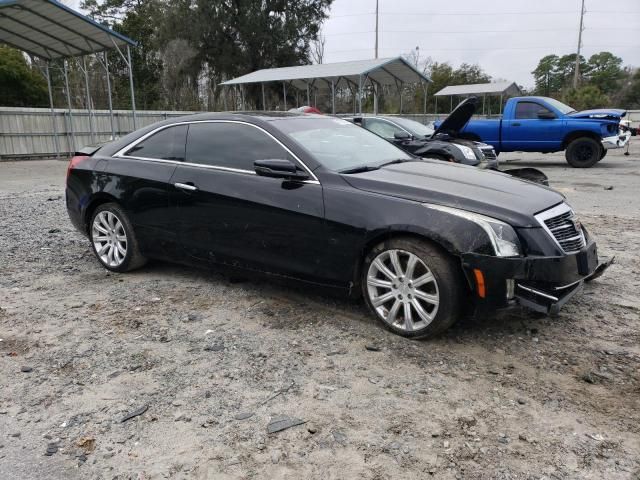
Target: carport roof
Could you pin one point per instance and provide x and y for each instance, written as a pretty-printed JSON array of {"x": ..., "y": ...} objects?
[
  {"x": 497, "y": 88},
  {"x": 49, "y": 30},
  {"x": 385, "y": 71}
]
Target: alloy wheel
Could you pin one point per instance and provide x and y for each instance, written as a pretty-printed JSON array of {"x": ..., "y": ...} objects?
[
  {"x": 109, "y": 239},
  {"x": 403, "y": 290}
]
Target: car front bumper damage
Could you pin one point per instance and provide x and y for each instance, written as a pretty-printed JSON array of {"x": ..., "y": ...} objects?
[
  {"x": 543, "y": 284},
  {"x": 616, "y": 141}
]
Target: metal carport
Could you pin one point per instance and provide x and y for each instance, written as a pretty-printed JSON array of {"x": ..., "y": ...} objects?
[
  {"x": 329, "y": 76},
  {"x": 509, "y": 89},
  {"x": 50, "y": 30}
]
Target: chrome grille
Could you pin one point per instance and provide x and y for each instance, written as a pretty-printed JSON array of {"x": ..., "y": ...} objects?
[{"x": 561, "y": 223}]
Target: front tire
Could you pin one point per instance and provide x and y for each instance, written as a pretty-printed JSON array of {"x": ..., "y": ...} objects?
[
  {"x": 412, "y": 287},
  {"x": 604, "y": 153},
  {"x": 113, "y": 240},
  {"x": 583, "y": 152}
]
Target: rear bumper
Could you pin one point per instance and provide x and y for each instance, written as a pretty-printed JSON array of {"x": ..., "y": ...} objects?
[{"x": 543, "y": 284}]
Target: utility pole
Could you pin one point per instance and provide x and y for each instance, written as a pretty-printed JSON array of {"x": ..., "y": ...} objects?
[
  {"x": 377, "y": 1},
  {"x": 576, "y": 71}
]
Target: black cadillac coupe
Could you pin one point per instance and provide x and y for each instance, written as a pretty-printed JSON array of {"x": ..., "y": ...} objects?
[{"x": 324, "y": 201}]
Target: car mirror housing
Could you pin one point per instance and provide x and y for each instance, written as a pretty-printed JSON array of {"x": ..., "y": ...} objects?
[
  {"x": 279, "y": 168},
  {"x": 401, "y": 136}
]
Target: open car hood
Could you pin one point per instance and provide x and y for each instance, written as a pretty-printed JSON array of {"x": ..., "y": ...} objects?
[
  {"x": 457, "y": 119},
  {"x": 602, "y": 113}
]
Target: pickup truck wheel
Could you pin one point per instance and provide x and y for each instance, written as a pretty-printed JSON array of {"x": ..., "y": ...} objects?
[
  {"x": 604, "y": 153},
  {"x": 583, "y": 152},
  {"x": 412, "y": 287}
]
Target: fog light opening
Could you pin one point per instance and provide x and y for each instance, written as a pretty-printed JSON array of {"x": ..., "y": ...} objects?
[
  {"x": 511, "y": 288},
  {"x": 480, "y": 286}
]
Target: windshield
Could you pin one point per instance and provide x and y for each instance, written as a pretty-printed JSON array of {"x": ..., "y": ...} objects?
[
  {"x": 415, "y": 128},
  {"x": 340, "y": 145},
  {"x": 560, "y": 106}
]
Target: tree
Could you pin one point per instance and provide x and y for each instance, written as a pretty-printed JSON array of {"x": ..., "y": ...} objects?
[
  {"x": 547, "y": 79},
  {"x": 317, "y": 49},
  {"x": 585, "y": 97},
  {"x": 605, "y": 71},
  {"x": 631, "y": 97},
  {"x": 21, "y": 85}
]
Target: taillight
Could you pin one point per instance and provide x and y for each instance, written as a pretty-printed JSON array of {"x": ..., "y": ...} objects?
[{"x": 74, "y": 163}]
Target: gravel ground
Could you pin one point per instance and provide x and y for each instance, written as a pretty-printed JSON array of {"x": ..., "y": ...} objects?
[{"x": 211, "y": 362}]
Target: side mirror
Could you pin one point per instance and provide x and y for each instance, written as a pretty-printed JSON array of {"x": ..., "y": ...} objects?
[
  {"x": 546, "y": 115},
  {"x": 401, "y": 136},
  {"x": 277, "y": 168}
]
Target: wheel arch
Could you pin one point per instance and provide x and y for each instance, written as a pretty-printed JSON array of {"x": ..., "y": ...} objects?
[
  {"x": 437, "y": 241},
  {"x": 570, "y": 137},
  {"x": 97, "y": 200}
]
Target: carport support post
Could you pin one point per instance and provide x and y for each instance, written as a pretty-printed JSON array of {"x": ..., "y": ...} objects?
[
  {"x": 66, "y": 86},
  {"x": 426, "y": 90},
  {"x": 360, "y": 94},
  {"x": 106, "y": 68},
  {"x": 88, "y": 95},
  {"x": 133, "y": 95},
  {"x": 284, "y": 95},
  {"x": 53, "y": 113},
  {"x": 308, "y": 95},
  {"x": 500, "y": 104},
  {"x": 333, "y": 97},
  {"x": 264, "y": 102}
]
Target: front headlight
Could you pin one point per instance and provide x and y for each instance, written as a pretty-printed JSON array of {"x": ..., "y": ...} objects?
[
  {"x": 466, "y": 151},
  {"x": 502, "y": 236}
]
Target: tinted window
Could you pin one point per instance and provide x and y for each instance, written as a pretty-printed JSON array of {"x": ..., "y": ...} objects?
[
  {"x": 382, "y": 128},
  {"x": 526, "y": 110},
  {"x": 167, "y": 144},
  {"x": 231, "y": 145}
]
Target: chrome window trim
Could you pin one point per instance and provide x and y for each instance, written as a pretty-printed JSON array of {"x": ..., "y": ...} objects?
[
  {"x": 554, "y": 212},
  {"x": 121, "y": 153}
]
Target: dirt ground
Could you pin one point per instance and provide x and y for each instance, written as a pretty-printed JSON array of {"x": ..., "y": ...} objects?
[{"x": 208, "y": 360}]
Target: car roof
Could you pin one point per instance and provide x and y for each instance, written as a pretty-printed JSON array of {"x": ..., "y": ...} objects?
[{"x": 255, "y": 117}]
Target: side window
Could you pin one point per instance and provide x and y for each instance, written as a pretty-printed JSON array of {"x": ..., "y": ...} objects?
[
  {"x": 529, "y": 110},
  {"x": 382, "y": 128},
  {"x": 231, "y": 145},
  {"x": 167, "y": 144}
]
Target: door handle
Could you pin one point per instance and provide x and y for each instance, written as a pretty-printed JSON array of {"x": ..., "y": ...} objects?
[
  {"x": 515, "y": 124},
  {"x": 186, "y": 186}
]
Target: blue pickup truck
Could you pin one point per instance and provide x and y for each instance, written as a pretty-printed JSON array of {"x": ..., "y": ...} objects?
[{"x": 540, "y": 124}]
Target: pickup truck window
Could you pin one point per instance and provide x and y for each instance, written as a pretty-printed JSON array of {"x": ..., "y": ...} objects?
[{"x": 529, "y": 110}]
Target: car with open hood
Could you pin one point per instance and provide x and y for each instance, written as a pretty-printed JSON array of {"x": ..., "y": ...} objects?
[
  {"x": 444, "y": 142},
  {"x": 323, "y": 201},
  {"x": 542, "y": 124}
]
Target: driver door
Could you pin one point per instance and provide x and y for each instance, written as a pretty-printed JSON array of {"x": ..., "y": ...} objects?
[
  {"x": 230, "y": 215},
  {"x": 529, "y": 132}
]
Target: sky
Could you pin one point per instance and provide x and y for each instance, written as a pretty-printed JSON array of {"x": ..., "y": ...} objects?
[{"x": 505, "y": 37}]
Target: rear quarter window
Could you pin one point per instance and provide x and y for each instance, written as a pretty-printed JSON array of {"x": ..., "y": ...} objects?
[{"x": 167, "y": 144}]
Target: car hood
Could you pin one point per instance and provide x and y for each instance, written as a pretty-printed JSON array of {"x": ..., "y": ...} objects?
[
  {"x": 607, "y": 113},
  {"x": 489, "y": 193},
  {"x": 459, "y": 117}
]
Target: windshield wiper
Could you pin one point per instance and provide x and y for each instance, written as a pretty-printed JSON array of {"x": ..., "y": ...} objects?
[
  {"x": 393, "y": 162},
  {"x": 360, "y": 169}
]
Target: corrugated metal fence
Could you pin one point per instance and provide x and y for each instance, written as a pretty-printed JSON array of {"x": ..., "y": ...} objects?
[{"x": 27, "y": 133}]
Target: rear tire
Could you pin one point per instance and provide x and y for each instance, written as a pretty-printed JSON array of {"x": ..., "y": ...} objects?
[
  {"x": 583, "y": 152},
  {"x": 113, "y": 240},
  {"x": 413, "y": 287}
]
